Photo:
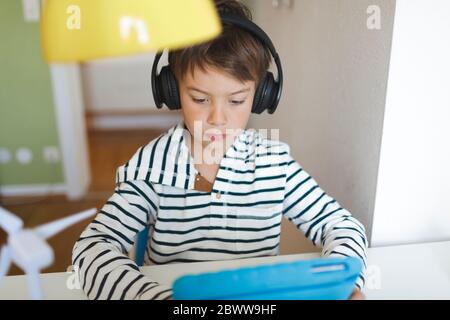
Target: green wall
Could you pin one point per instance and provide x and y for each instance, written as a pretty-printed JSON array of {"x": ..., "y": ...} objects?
[{"x": 27, "y": 115}]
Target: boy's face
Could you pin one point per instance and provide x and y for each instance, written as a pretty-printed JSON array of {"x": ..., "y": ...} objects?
[{"x": 217, "y": 102}]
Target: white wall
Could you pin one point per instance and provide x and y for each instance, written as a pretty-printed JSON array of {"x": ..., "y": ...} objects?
[
  {"x": 412, "y": 202},
  {"x": 119, "y": 84},
  {"x": 331, "y": 113}
]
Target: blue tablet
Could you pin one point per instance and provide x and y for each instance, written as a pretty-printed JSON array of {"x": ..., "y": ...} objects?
[{"x": 317, "y": 279}]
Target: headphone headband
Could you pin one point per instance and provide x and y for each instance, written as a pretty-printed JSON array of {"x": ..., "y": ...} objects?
[
  {"x": 259, "y": 33},
  {"x": 251, "y": 27}
]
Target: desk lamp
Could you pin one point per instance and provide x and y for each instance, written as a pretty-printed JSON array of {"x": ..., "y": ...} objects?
[{"x": 83, "y": 30}]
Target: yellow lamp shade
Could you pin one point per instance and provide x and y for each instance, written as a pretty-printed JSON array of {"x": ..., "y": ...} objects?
[{"x": 81, "y": 30}]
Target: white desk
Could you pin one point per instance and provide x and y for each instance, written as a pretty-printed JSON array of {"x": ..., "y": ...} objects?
[{"x": 417, "y": 271}]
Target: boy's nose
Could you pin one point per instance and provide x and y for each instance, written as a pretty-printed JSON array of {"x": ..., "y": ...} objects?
[{"x": 217, "y": 117}]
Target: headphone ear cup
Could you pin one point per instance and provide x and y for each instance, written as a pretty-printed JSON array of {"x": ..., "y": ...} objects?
[
  {"x": 264, "y": 94},
  {"x": 169, "y": 88}
]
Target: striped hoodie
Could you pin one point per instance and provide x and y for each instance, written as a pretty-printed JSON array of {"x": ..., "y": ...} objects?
[{"x": 258, "y": 182}]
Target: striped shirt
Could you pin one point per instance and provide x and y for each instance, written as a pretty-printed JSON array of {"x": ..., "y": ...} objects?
[{"x": 257, "y": 183}]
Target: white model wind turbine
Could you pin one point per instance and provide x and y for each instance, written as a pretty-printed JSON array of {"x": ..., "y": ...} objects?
[{"x": 28, "y": 249}]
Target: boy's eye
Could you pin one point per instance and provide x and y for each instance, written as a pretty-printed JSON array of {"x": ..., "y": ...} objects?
[
  {"x": 199, "y": 100},
  {"x": 202, "y": 101}
]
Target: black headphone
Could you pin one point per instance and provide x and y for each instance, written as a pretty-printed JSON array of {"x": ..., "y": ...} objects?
[{"x": 267, "y": 94}]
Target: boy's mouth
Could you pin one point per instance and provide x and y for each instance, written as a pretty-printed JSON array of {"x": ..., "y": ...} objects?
[{"x": 216, "y": 137}]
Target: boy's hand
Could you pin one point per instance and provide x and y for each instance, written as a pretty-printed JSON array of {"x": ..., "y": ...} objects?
[{"x": 357, "y": 295}]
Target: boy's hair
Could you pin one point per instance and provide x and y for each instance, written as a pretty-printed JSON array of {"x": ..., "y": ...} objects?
[{"x": 235, "y": 51}]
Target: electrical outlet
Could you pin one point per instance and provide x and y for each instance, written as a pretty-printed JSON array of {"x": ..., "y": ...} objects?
[
  {"x": 5, "y": 156},
  {"x": 51, "y": 154},
  {"x": 24, "y": 155},
  {"x": 31, "y": 10}
]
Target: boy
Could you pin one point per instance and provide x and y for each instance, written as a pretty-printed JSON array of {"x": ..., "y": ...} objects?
[{"x": 208, "y": 188}]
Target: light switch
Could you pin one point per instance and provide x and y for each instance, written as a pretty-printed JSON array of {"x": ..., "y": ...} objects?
[
  {"x": 282, "y": 3},
  {"x": 51, "y": 154},
  {"x": 288, "y": 3},
  {"x": 31, "y": 10}
]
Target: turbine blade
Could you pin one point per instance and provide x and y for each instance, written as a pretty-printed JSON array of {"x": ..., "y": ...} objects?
[
  {"x": 50, "y": 229},
  {"x": 9, "y": 221}
]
